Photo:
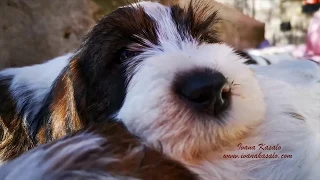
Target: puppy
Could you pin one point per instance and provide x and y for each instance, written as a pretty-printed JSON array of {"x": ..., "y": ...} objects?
[
  {"x": 103, "y": 151},
  {"x": 164, "y": 73}
]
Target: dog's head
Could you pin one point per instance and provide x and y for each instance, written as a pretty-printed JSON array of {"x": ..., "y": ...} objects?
[{"x": 163, "y": 72}]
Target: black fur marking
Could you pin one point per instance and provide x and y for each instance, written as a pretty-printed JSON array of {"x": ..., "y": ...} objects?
[
  {"x": 42, "y": 116},
  {"x": 267, "y": 61},
  {"x": 246, "y": 56},
  {"x": 98, "y": 60},
  {"x": 8, "y": 108},
  {"x": 98, "y": 76},
  {"x": 195, "y": 23}
]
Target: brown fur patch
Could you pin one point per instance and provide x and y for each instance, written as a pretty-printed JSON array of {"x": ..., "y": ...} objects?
[
  {"x": 15, "y": 140},
  {"x": 65, "y": 118},
  {"x": 198, "y": 20},
  {"x": 41, "y": 136},
  {"x": 114, "y": 152}
]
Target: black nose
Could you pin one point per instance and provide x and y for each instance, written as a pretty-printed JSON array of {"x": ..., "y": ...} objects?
[{"x": 205, "y": 90}]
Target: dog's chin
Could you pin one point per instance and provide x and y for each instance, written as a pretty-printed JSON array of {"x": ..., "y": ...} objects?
[{"x": 185, "y": 133}]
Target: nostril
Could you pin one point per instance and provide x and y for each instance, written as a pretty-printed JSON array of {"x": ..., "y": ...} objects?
[
  {"x": 223, "y": 102},
  {"x": 204, "y": 88},
  {"x": 197, "y": 91}
]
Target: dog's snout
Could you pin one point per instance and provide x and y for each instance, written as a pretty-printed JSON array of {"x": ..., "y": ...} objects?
[{"x": 206, "y": 90}]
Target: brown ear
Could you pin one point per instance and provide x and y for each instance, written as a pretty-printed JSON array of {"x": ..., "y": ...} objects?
[{"x": 63, "y": 106}]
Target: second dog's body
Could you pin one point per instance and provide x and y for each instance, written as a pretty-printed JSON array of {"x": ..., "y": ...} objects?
[{"x": 103, "y": 151}]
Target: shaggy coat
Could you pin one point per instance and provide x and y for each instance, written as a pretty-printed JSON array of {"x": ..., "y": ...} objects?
[
  {"x": 47, "y": 101},
  {"x": 162, "y": 72},
  {"x": 102, "y": 151}
]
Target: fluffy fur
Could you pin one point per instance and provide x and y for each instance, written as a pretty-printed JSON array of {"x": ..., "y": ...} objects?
[
  {"x": 23, "y": 92},
  {"x": 127, "y": 68},
  {"x": 103, "y": 151}
]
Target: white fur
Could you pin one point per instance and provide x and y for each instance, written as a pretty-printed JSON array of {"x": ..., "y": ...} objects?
[
  {"x": 297, "y": 138},
  {"x": 261, "y": 112},
  {"x": 261, "y": 109},
  {"x": 36, "y": 79}
]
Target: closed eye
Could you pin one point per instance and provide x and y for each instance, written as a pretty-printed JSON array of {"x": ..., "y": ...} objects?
[{"x": 127, "y": 54}]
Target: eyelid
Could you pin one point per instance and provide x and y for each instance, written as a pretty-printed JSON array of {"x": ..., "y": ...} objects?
[{"x": 127, "y": 54}]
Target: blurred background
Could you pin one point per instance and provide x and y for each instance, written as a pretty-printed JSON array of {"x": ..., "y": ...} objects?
[{"x": 33, "y": 31}]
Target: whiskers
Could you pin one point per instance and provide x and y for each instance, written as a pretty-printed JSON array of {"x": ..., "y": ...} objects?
[
  {"x": 234, "y": 94},
  {"x": 234, "y": 85}
]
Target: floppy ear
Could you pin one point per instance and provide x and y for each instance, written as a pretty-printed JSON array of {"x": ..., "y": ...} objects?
[
  {"x": 76, "y": 100},
  {"x": 64, "y": 106},
  {"x": 91, "y": 88},
  {"x": 97, "y": 74}
]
